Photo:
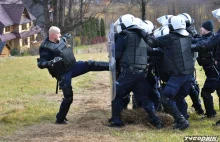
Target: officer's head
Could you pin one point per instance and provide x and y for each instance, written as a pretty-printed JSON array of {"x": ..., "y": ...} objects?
[
  {"x": 216, "y": 14},
  {"x": 150, "y": 26},
  {"x": 207, "y": 27},
  {"x": 54, "y": 34},
  {"x": 162, "y": 31},
  {"x": 124, "y": 22},
  {"x": 188, "y": 19},
  {"x": 163, "y": 20},
  {"x": 176, "y": 23}
]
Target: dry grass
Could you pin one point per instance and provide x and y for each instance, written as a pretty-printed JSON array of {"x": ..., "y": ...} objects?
[{"x": 28, "y": 108}]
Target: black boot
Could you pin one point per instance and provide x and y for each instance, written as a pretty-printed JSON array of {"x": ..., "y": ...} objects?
[
  {"x": 194, "y": 95},
  {"x": 154, "y": 120},
  {"x": 208, "y": 103},
  {"x": 65, "y": 105},
  {"x": 98, "y": 65},
  {"x": 181, "y": 122},
  {"x": 116, "y": 121}
]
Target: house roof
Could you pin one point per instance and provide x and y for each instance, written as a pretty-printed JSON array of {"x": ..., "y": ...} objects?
[
  {"x": 4, "y": 17},
  {"x": 13, "y": 14},
  {"x": 10, "y": 1},
  {"x": 2, "y": 45},
  {"x": 14, "y": 11},
  {"x": 10, "y": 36}
]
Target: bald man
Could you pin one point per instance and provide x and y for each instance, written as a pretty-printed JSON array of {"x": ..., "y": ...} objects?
[{"x": 58, "y": 58}]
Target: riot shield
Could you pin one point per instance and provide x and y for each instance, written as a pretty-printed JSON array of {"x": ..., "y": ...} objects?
[{"x": 112, "y": 62}]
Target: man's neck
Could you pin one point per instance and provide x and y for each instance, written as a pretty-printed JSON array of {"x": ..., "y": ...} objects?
[{"x": 52, "y": 40}]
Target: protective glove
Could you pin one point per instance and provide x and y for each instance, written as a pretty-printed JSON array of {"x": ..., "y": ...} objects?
[
  {"x": 192, "y": 30},
  {"x": 55, "y": 61},
  {"x": 67, "y": 35},
  {"x": 155, "y": 52}
]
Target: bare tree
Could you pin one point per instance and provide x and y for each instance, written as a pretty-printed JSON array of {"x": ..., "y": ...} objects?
[{"x": 142, "y": 4}]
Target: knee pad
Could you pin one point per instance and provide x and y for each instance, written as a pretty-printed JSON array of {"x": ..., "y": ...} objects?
[
  {"x": 68, "y": 100},
  {"x": 67, "y": 92}
]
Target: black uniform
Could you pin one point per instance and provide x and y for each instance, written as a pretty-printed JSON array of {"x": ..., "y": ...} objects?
[
  {"x": 176, "y": 68},
  {"x": 131, "y": 55},
  {"x": 64, "y": 70},
  {"x": 211, "y": 69}
]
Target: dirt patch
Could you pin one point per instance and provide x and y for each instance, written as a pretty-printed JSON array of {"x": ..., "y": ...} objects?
[{"x": 88, "y": 118}]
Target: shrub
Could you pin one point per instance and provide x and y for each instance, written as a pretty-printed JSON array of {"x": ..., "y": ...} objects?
[
  {"x": 33, "y": 51},
  {"x": 15, "y": 52}
]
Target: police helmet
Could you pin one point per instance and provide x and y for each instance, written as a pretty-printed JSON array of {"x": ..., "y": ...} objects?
[
  {"x": 162, "y": 31},
  {"x": 138, "y": 21},
  {"x": 147, "y": 26},
  {"x": 188, "y": 19},
  {"x": 150, "y": 26},
  {"x": 163, "y": 20},
  {"x": 176, "y": 22},
  {"x": 124, "y": 22},
  {"x": 216, "y": 13}
]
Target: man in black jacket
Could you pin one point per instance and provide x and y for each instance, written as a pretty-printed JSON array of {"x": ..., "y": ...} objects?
[
  {"x": 206, "y": 60},
  {"x": 213, "y": 43},
  {"x": 58, "y": 58}
]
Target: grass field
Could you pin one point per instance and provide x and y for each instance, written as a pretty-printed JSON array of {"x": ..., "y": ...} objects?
[{"x": 28, "y": 105}]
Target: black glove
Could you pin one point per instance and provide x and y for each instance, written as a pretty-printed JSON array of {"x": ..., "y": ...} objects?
[
  {"x": 192, "y": 30},
  {"x": 67, "y": 35},
  {"x": 155, "y": 52},
  {"x": 55, "y": 61}
]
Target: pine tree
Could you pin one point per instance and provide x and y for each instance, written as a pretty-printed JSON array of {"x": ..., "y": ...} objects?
[
  {"x": 102, "y": 28},
  {"x": 98, "y": 27}
]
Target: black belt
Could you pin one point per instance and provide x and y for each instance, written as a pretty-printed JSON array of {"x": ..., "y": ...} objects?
[{"x": 131, "y": 68}]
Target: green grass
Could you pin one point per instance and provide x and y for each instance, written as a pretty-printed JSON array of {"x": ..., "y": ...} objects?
[{"x": 26, "y": 92}]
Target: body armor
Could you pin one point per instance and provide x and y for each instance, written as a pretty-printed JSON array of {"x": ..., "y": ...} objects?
[
  {"x": 135, "y": 52},
  {"x": 178, "y": 57},
  {"x": 62, "y": 50}
]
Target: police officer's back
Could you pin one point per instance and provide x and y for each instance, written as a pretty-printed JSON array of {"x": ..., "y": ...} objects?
[{"x": 176, "y": 67}]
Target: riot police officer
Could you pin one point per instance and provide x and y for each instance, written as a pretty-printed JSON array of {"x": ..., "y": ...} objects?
[
  {"x": 131, "y": 55},
  {"x": 58, "y": 58},
  {"x": 206, "y": 60},
  {"x": 154, "y": 96},
  {"x": 194, "y": 90},
  {"x": 213, "y": 43},
  {"x": 176, "y": 68}
]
